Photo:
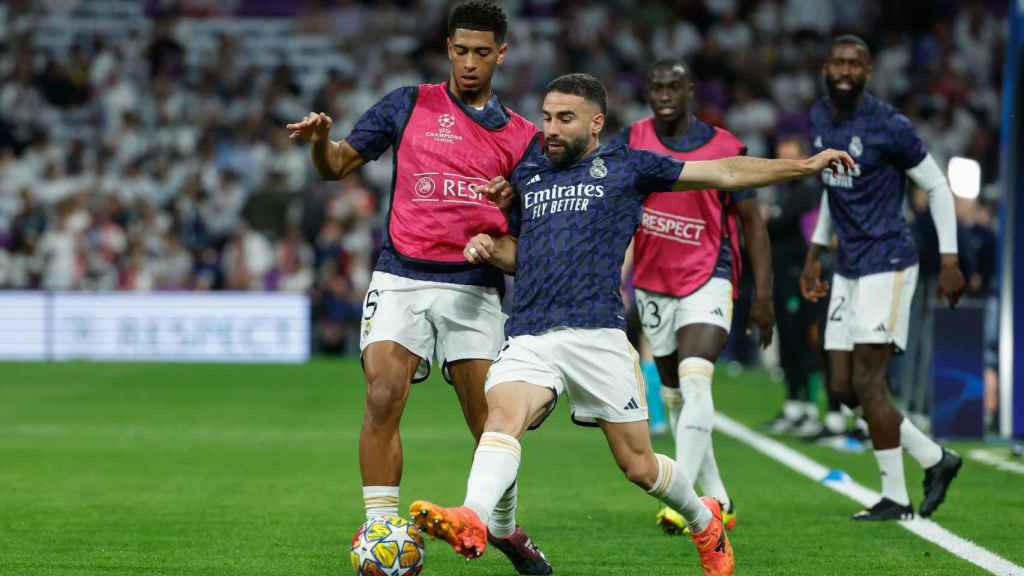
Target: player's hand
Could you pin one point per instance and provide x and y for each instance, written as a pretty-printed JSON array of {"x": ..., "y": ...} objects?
[
  {"x": 837, "y": 160},
  {"x": 479, "y": 249},
  {"x": 762, "y": 315},
  {"x": 500, "y": 192},
  {"x": 811, "y": 286},
  {"x": 316, "y": 126},
  {"x": 951, "y": 280}
]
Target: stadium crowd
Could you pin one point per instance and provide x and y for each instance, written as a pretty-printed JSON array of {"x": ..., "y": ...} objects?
[{"x": 142, "y": 144}]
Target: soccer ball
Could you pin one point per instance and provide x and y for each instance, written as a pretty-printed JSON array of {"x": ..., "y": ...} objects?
[{"x": 387, "y": 546}]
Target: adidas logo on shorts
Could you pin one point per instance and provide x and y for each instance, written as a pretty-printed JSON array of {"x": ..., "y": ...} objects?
[{"x": 632, "y": 405}]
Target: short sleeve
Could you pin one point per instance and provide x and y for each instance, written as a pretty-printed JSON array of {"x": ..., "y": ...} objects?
[
  {"x": 379, "y": 128},
  {"x": 906, "y": 149},
  {"x": 654, "y": 172}
]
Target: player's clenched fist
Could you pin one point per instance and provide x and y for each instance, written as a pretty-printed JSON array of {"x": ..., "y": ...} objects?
[
  {"x": 811, "y": 285},
  {"x": 316, "y": 126},
  {"x": 837, "y": 160},
  {"x": 498, "y": 191},
  {"x": 479, "y": 249}
]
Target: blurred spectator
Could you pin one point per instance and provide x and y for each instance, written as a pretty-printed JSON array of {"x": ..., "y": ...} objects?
[{"x": 149, "y": 153}]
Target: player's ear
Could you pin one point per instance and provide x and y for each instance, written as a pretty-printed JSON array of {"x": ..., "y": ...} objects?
[
  {"x": 450, "y": 49},
  {"x": 597, "y": 123},
  {"x": 502, "y": 51}
]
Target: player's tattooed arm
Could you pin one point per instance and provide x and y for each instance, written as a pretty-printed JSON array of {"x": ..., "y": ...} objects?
[
  {"x": 747, "y": 172},
  {"x": 498, "y": 252},
  {"x": 333, "y": 160},
  {"x": 755, "y": 232}
]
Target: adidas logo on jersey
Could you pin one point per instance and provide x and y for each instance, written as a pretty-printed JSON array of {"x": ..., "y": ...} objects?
[
  {"x": 632, "y": 405},
  {"x": 534, "y": 180}
]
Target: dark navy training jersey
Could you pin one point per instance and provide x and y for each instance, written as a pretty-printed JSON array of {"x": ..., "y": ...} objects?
[
  {"x": 380, "y": 128},
  {"x": 867, "y": 205},
  {"x": 574, "y": 224}
]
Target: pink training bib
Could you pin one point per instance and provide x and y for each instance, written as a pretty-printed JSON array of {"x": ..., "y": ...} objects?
[
  {"x": 680, "y": 235},
  {"x": 441, "y": 159}
]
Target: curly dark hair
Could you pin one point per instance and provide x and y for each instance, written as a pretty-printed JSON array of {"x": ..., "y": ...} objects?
[
  {"x": 584, "y": 85},
  {"x": 483, "y": 15}
]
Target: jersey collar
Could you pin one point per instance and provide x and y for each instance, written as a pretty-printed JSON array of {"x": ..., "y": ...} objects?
[
  {"x": 492, "y": 117},
  {"x": 697, "y": 134}
]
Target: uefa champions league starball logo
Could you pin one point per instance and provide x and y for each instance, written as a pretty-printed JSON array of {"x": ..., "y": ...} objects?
[
  {"x": 446, "y": 121},
  {"x": 424, "y": 187}
]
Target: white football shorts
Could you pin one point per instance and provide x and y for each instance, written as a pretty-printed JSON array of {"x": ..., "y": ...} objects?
[
  {"x": 662, "y": 316},
  {"x": 448, "y": 322},
  {"x": 597, "y": 368},
  {"x": 872, "y": 309}
]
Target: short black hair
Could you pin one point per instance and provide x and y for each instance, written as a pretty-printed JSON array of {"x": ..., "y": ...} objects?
[
  {"x": 584, "y": 85},
  {"x": 670, "y": 63},
  {"x": 854, "y": 40},
  {"x": 483, "y": 15}
]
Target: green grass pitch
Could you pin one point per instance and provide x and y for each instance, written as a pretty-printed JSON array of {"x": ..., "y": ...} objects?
[{"x": 252, "y": 470}]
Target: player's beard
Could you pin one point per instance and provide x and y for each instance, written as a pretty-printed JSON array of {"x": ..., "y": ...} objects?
[
  {"x": 572, "y": 151},
  {"x": 844, "y": 99}
]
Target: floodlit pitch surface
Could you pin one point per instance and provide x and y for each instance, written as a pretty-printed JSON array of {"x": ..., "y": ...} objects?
[{"x": 186, "y": 470}]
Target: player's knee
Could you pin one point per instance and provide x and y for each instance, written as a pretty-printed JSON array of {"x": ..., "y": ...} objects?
[
  {"x": 870, "y": 390},
  {"x": 385, "y": 398},
  {"x": 506, "y": 419}
]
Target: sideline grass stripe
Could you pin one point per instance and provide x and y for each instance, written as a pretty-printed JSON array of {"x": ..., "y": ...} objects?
[
  {"x": 843, "y": 484},
  {"x": 995, "y": 460}
]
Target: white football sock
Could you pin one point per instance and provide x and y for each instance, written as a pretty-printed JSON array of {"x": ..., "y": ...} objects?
[
  {"x": 676, "y": 490},
  {"x": 672, "y": 398},
  {"x": 835, "y": 422},
  {"x": 890, "y": 464},
  {"x": 380, "y": 501},
  {"x": 925, "y": 450},
  {"x": 693, "y": 435},
  {"x": 792, "y": 410},
  {"x": 710, "y": 479},
  {"x": 495, "y": 466},
  {"x": 503, "y": 519}
]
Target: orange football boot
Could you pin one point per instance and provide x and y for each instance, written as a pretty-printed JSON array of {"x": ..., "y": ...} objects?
[
  {"x": 716, "y": 557},
  {"x": 459, "y": 527}
]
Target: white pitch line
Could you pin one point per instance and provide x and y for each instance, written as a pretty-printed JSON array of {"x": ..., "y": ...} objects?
[
  {"x": 995, "y": 460},
  {"x": 843, "y": 484}
]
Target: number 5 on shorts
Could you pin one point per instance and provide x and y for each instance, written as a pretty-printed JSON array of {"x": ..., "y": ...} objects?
[{"x": 370, "y": 305}]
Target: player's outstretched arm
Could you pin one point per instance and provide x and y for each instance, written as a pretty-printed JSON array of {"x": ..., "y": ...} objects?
[
  {"x": 498, "y": 252},
  {"x": 333, "y": 160},
  {"x": 746, "y": 172}
]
